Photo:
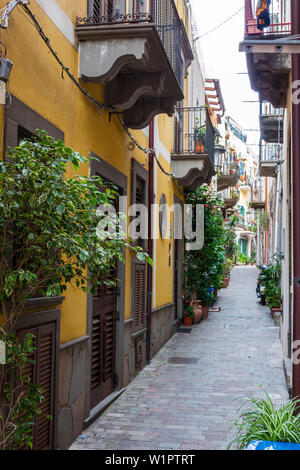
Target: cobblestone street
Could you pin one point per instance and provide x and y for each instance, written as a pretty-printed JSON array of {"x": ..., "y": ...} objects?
[{"x": 235, "y": 352}]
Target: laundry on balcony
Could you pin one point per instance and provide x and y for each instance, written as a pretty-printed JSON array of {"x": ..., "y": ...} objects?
[{"x": 263, "y": 14}]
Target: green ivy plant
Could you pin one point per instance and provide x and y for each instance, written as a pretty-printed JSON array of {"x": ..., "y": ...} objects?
[{"x": 49, "y": 238}]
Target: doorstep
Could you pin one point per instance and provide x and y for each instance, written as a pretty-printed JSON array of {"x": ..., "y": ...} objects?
[{"x": 101, "y": 407}]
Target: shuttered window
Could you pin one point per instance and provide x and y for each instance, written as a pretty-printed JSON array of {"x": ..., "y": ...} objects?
[
  {"x": 138, "y": 193},
  {"x": 139, "y": 178},
  {"x": 41, "y": 371},
  {"x": 139, "y": 291}
]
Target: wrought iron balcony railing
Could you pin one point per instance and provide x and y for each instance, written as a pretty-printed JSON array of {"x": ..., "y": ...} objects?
[
  {"x": 269, "y": 110},
  {"x": 194, "y": 132},
  {"x": 231, "y": 169},
  {"x": 280, "y": 16},
  {"x": 272, "y": 152},
  {"x": 163, "y": 13}
]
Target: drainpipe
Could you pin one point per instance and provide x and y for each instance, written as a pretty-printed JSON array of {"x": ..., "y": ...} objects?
[
  {"x": 267, "y": 228},
  {"x": 295, "y": 9},
  {"x": 150, "y": 241}
]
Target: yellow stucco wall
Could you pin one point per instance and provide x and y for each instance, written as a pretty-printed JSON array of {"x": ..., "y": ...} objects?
[{"x": 36, "y": 80}]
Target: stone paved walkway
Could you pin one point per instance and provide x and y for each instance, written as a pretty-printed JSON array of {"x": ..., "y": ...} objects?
[{"x": 174, "y": 406}]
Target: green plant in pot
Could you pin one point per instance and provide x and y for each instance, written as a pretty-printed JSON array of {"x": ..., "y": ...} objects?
[
  {"x": 262, "y": 422},
  {"x": 204, "y": 267},
  {"x": 188, "y": 316},
  {"x": 206, "y": 300},
  {"x": 272, "y": 283},
  {"x": 199, "y": 136}
]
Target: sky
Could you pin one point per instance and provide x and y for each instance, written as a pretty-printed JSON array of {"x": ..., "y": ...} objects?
[{"x": 220, "y": 50}]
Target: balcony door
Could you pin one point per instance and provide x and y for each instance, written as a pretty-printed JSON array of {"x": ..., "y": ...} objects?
[{"x": 106, "y": 8}]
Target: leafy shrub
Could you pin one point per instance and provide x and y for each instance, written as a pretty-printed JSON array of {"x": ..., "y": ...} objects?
[
  {"x": 272, "y": 283},
  {"x": 204, "y": 268},
  {"x": 262, "y": 422}
]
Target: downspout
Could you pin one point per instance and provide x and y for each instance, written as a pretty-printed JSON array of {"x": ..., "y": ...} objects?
[
  {"x": 295, "y": 19},
  {"x": 267, "y": 226},
  {"x": 150, "y": 241}
]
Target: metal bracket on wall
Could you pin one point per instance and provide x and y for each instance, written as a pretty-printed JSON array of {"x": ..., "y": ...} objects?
[{"x": 275, "y": 46}]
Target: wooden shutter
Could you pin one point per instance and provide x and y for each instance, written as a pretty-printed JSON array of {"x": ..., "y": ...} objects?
[
  {"x": 41, "y": 372},
  {"x": 45, "y": 378},
  {"x": 109, "y": 326},
  {"x": 96, "y": 353},
  {"x": 139, "y": 291}
]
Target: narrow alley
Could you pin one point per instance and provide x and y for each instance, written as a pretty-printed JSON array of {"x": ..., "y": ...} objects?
[{"x": 186, "y": 397}]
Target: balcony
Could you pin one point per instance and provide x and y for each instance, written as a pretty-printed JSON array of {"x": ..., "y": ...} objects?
[
  {"x": 268, "y": 72},
  {"x": 194, "y": 147},
  {"x": 141, "y": 56},
  {"x": 230, "y": 202},
  {"x": 228, "y": 176},
  {"x": 271, "y": 156},
  {"x": 271, "y": 124},
  {"x": 258, "y": 200}
]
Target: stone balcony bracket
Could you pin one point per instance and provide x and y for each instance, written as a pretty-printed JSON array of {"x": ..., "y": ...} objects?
[
  {"x": 131, "y": 62},
  {"x": 192, "y": 170}
]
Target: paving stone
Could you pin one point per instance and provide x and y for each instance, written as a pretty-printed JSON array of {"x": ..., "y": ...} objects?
[{"x": 193, "y": 406}]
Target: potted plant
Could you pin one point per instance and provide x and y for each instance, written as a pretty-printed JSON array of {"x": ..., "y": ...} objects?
[
  {"x": 272, "y": 280},
  {"x": 200, "y": 138},
  {"x": 226, "y": 273},
  {"x": 262, "y": 424},
  {"x": 206, "y": 299},
  {"x": 204, "y": 267},
  {"x": 188, "y": 316}
]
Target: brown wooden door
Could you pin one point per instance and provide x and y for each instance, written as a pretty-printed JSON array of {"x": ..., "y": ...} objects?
[
  {"x": 103, "y": 337},
  {"x": 103, "y": 342},
  {"x": 42, "y": 372}
]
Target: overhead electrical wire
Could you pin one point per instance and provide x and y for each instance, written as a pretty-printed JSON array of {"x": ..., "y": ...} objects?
[{"x": 219, "y": 25}]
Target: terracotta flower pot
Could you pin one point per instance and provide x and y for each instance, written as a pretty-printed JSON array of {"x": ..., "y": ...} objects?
[
  {"x": 225, "y": 282},
  {"x": 275, "y": 310},
  {"x": 187, "y": 321},
  {"x": 198, "y": 312},
  {"x": 199, "y": 148}
]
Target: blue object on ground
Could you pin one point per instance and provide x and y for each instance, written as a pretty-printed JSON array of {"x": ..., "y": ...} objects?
[{"x": 268, "y": 445}]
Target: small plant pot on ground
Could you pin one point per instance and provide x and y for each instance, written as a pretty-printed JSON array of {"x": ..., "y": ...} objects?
[
  {"x": 275, "y": 312},
  {"x": 187, "y": 320},
  {"x": 225, "y": 282}
]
